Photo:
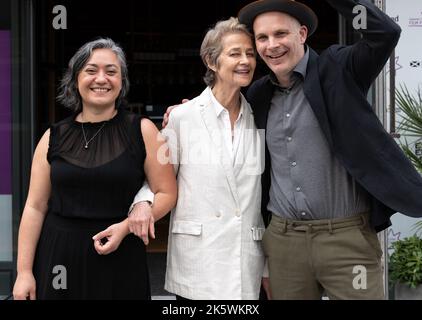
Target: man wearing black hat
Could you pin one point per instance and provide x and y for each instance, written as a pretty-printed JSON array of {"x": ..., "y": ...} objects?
[{"x": 333, "y": 175}]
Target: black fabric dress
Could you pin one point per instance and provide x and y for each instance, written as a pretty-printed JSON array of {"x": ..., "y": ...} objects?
[{"x": 91, "y": 189}]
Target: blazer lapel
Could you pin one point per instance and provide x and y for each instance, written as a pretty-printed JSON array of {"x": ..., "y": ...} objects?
[
  {"x": 210, "y": 121},
  {"x": 261, "y": 103},
  {"x": 248, "y": 157},
  {"x": 312, "y": 89}
]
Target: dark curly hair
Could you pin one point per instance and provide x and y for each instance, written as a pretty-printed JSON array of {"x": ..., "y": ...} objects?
[{"x": 68, "y": 91}]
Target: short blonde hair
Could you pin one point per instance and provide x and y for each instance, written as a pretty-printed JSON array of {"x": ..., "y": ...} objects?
[{"x": 212, "y": 45}]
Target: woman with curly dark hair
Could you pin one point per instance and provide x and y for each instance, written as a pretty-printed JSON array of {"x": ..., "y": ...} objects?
[{"x": 74, "y": 238}]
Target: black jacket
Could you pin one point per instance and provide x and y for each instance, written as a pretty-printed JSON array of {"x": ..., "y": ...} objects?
[{"x": 336, "y": 86}]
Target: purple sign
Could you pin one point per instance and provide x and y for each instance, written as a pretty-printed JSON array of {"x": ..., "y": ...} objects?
[{"x": 5, "y": 114}]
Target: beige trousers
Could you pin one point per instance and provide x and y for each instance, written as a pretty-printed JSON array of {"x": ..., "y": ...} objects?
[{"x": 338, "y": 257}]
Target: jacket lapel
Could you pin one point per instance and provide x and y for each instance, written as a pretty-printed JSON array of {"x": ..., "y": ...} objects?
[
  {"x": 211, "y": 124},
  {"x": 261, "y": 102},
  {"x": 312, "y": 89},
  {"x": 248, "y": 157}
]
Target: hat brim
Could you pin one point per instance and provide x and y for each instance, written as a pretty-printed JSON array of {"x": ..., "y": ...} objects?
[{"x": 305, "y": 15}]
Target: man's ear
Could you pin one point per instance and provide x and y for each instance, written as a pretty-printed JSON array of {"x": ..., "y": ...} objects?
[{"x": 303, "y": 33}]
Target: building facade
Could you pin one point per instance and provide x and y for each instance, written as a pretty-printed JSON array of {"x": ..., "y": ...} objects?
[{"x": 161, "y": 40}]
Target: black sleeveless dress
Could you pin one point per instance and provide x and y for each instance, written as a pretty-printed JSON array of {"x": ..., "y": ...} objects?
[{"x": 91, "y": 189}]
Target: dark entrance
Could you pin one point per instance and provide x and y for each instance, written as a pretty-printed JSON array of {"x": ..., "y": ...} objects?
[{"x": 161, "y": 40}]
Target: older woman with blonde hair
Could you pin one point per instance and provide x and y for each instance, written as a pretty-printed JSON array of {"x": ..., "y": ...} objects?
[{"x": 214, "y": 247}]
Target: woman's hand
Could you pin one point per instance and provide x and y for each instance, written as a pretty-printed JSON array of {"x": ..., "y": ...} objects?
[
  {"x": 141, "y": 221},
  {"x": 109, "y": 240},
  {"x": 24, "y": 287}
]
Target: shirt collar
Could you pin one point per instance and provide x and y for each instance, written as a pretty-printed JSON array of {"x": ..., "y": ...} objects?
[
  {"x": 302, "y": 66},
  {"x": 218, "y": 108},
  {"x": 298, "y": 71}
]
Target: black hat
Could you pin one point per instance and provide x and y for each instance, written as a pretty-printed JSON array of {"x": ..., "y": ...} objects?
[{"x": 305, "y": 15}]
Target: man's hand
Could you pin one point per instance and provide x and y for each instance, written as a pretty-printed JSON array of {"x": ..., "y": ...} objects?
[
  {"x": 141, "y": 221},
  {"x": 168, "y": 111}
]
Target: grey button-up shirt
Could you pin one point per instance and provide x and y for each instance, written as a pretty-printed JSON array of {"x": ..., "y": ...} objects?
[{"x": 307, "y": 181}]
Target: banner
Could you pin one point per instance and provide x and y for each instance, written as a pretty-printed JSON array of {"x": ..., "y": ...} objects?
[
  {"x": 408, "y": 64},
  {"x": 408, "y": 15}
]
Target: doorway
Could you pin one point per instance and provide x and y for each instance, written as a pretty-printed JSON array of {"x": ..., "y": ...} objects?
[{"x": 161, "y": 41}]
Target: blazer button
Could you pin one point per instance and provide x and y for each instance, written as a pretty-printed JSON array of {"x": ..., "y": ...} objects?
[
  {"x": 218, "y": 214},
  {"x": 237, "y": 213}
]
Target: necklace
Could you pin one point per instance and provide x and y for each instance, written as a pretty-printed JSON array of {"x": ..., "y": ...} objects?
[
  {"x": 88, "y": 141},
  {"x": 95, "y": 134}
]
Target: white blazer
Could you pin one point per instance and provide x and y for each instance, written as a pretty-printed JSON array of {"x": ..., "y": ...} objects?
[{"x": 214, "y": 247}]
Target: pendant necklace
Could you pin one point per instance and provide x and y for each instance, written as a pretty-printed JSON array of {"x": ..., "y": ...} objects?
[{"x": 87, "y": 142}]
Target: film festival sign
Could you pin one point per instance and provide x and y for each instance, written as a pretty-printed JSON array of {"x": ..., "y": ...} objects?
[{"x": 408, "y": 54}]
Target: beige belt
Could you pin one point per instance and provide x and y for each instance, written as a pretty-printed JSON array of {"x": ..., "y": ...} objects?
[{"x": 321, "y": 225}]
